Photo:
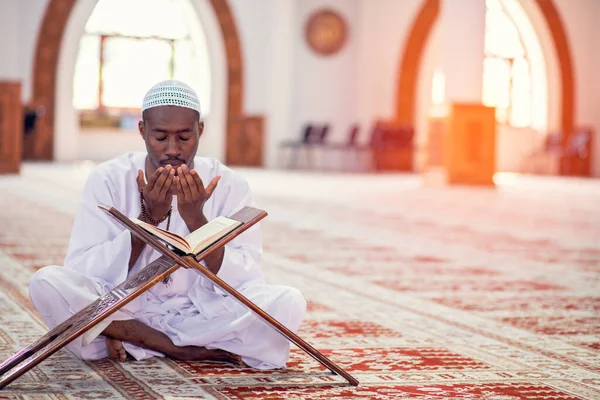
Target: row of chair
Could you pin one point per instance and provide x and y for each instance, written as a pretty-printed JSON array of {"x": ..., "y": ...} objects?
[
  {"x": 384, "y": 137},
  {"x": 386, "y": 148}
]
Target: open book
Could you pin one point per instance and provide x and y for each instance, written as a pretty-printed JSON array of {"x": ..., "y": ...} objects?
[{"x": 196, "y": 241}]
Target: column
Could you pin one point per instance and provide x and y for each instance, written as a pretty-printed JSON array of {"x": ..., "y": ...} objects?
[
  {"x": 11, "y": 121},
  {"x": 280, "y": 86},
  {"x": 463, "y": 29},
  {"x": 461, "y": 138}
]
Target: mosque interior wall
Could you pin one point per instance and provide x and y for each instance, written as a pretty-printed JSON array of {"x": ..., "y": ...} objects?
[{"x": 289, "y": 84}]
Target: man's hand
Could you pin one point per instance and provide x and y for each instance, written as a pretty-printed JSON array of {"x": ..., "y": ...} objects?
[
  {"x": 192, "y": 195},
  {"x": 158, "y": 192}
]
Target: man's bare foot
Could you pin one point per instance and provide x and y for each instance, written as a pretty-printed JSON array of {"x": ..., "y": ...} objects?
[
  {"x": 136, "y": 333},
  {"x": 116, "y": 351},
  {"x": 194, "y": 353}
]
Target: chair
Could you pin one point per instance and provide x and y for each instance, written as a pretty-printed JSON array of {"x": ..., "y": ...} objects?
[
  {"x": 320, "y": 143},
  {"x": 353, "y": 136},
  {"x": 343, "y": 148},
  {"x": 577, "y": 154},
  {"x": 351, "y": 147},
  {"x": 322, "y": 136},
  {"x": 312, "y": 135},
  {"x": 578, "y": 144},
  {"x": 565, "y": 159},
  {"x": 391, "y": 147}
]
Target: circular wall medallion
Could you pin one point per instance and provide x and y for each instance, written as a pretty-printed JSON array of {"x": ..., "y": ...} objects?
[{"x": 326, "y": 32}]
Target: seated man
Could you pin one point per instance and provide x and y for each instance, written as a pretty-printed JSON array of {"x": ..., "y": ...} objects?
[{"x": 185, "y": 317}]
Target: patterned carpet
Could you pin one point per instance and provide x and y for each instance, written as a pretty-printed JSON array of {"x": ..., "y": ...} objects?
[{"x": 425, "y": 293}]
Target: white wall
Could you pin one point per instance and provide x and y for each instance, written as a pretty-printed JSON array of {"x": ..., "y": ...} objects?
[
  {"x": 593, "y": 103},
  {"x": 266, "y": 30},
  {"x": 31, "y": 14},
  {"x": 253, "y": 20},
  {"x": 279, "y": 68},
  {"x": 463, "y": 29},
  {"x": 384, "y": 28},
  {"x": 9, "y": 67},
  {"x": 302, "y": 86},
  {"x": 290, "y": 85},
  {"x": 325, "y": 88}
]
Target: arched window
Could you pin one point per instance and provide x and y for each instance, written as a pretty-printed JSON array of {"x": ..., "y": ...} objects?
[
  {"x": 130, "y": 45},
  {"x": 514, "y": 73}
]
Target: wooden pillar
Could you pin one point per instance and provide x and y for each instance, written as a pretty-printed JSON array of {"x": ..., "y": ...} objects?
[{"x": 11, "y": 127}]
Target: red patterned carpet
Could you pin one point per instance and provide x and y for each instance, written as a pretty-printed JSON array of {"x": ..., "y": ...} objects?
[{"x": 420, "y": 293}]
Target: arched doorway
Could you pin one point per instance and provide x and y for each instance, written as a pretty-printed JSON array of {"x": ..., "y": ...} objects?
[
  {"x": 408, "y": 73},
  {"x": 40, "y": 145}
]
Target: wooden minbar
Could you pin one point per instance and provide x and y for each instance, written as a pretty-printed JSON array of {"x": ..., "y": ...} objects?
[{"x": 461, "y": 145}]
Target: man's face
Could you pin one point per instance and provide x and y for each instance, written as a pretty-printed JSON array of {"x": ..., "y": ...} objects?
[{"x": 171, "y": 135}]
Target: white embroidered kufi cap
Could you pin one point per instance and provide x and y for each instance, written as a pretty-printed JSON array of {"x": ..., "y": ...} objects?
[{"x": 171, "y": 93}]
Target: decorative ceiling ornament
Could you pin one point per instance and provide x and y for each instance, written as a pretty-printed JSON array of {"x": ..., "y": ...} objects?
[{"x": 326, "y": 32}]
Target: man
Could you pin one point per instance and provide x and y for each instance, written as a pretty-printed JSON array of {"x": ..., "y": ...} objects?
[{"x": 186, "y": 317}]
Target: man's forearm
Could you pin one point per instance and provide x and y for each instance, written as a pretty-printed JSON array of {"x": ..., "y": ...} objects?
[{"x": 137, "y": 246}]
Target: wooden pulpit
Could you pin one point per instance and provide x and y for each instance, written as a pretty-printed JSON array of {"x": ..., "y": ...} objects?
[
  {"x": 461, "y": 145},
  {"x": 11, "y": 127}
]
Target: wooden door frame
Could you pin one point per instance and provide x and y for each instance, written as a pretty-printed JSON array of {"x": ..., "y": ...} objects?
[
  {"x": 39, "y": 145},
  {"x": 408, "y": 73}
]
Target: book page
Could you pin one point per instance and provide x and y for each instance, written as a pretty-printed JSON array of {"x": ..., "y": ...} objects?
[
  {"x": 166, "y": 236},
  {"x": 209, "y": 233}
]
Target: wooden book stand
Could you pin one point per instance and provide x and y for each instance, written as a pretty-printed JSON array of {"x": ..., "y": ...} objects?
[{"x": 90, "y": 316}]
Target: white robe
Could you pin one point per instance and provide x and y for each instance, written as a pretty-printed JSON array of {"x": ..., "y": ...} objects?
[{"x": 190, "y": 310}]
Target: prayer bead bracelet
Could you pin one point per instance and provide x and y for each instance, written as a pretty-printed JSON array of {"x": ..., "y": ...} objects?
[{"x": 146, "y": 215}]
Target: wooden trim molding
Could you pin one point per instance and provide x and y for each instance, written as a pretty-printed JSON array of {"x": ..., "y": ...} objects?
[
  {"x": 247, "y": 140},
  {"x": 563, "y": 52},
  {"x": 235, "y": 77},
  {"x": 11, "y": 127},
  {"x": 406, "y": 96},
  {"x": 408, "y": 73},
  {"x": 39, "y": 146}
]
